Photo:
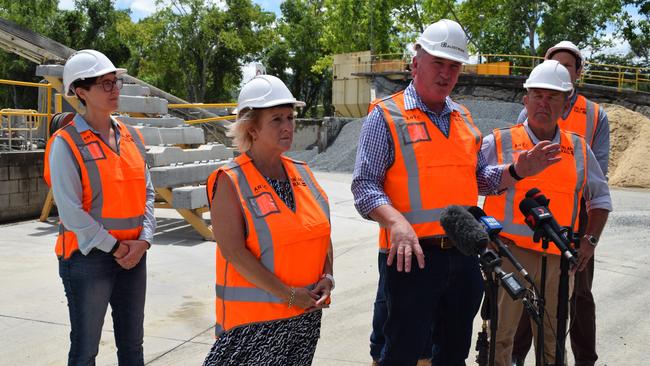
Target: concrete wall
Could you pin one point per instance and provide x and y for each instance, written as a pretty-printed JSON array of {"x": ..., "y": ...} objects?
[
  {"x": 22, "y": 188},
  {"x": 306, "y": 133}
]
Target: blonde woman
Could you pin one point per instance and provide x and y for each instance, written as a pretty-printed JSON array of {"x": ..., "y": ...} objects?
[{"x": 270, "y": 220}]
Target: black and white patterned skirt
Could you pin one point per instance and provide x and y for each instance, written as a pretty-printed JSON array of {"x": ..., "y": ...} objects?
[{"x": 290, "y": 342}]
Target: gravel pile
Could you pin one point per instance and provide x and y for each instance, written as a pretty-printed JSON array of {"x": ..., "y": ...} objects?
[
  {"x": 340, "y": 156},
  {"x": 489, "y": 115}
]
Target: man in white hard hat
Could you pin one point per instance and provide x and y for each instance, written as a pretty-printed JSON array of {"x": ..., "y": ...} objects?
[
  {"x": 576, "y": 175},
  {"x": 589, "y": 120},
  {"x": 418, "y": 153}
]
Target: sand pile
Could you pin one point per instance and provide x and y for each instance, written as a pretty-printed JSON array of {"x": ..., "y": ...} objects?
[{"x": 629, "y": 158}]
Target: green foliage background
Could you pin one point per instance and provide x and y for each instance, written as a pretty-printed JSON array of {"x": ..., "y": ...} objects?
[{"x": 194, "y": 49}]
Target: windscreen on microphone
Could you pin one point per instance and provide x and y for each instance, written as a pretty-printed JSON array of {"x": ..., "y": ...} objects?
[
  {"x": 526, "y": 205},
  {"x": 538, "y": 196},
  {"x": 460, "y": 226}
]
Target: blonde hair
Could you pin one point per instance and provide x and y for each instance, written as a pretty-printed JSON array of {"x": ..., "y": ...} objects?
[{"x": 238, "y": 131}]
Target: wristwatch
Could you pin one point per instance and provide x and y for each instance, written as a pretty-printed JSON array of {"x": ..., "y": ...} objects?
[
  {"x": 591, "y": 239},
  {"x": 329, "y": 277}
]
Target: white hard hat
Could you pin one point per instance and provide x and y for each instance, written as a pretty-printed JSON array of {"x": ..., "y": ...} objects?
[
  {"x": 550, "y": 74},
  {"x": 265, "y": 91},
  {"x": 446, "y": 39},
  {"x": 86, "y": 64},
  {"x": 565, "y": 46}
]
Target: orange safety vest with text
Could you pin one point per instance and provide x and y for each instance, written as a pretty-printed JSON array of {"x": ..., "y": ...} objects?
[
  {"x": 431, "y": 171},
  {"x": 583, "y": 119},
  {"x": 113, "y": 186},
  {"x": 291, "y": 245},
  {"x": 562, "y": 183}
]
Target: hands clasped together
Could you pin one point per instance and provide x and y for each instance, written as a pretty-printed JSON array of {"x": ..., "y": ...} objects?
[
  {"x": 311, "y": 300},
  {"x": 129, "y": 253}
]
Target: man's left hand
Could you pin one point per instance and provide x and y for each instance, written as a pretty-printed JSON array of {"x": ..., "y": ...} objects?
[
  {"x": 137, "y": 248},
  {"x": 585, "y": 253}
]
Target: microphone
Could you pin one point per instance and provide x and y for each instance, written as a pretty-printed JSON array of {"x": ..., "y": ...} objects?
[
  {"x": 539, "y": 197},
  {"x": 467, "y": 234},
  {"x": 540, "y": 218},
  {"x": 493, "y": 228},
  {"x": 470, "y": 239}
]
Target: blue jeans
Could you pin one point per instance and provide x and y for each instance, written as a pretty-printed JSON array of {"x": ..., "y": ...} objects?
[
  {"x": 91, "y": 283},
  {"x": 380, "y": 314},
  {"x": 446, "y": 293}
]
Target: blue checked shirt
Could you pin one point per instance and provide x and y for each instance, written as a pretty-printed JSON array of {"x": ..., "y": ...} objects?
[{"x": 375, "y": 155}]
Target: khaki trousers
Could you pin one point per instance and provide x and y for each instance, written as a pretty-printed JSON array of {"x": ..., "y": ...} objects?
[{"x": 510, "y": 311}]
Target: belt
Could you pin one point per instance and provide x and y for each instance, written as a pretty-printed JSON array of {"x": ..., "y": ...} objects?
[{"x": 441, "y": 242}]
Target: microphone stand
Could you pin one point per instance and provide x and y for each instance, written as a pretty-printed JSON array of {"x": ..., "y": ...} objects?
[
  {"x": 542, "y": 303},
  {"x": 563, "y": 304},
  {"x": 483, "y": 347},
  {"x": 490, "y": 309}
]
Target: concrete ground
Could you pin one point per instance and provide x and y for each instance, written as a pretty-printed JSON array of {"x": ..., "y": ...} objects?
[{"x": 179, "y": 312}]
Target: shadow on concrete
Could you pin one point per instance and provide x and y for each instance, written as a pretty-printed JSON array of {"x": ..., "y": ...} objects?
[
  {"x": 49, "y": 227},
  {"x": 171, "y": 231}
]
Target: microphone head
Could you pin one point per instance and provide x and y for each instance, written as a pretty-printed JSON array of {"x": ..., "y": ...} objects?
[
  {"x": 477, "y": 212},
  {"x": 538, "y": 196},
  {"x": 468, "y": 235}
]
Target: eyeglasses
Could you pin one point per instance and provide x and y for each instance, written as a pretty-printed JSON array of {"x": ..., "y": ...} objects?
[{"x": 108, "y": 85}]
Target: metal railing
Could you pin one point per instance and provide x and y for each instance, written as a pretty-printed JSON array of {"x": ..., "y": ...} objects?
[
  {"x": 205, "y": 105},
  {"x": 620, "y": 76},
  {"x": 18, "y": 126}
]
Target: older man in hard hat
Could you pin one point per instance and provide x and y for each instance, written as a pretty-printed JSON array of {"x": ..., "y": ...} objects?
[
  {"x": 419, "y": 152},
  {"x": 589, "y": 120},
  {"x": 577, "y": 175}
]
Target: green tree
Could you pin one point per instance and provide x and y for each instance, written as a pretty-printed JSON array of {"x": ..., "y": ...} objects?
[
  {"x": 636, "y": 30},
  {"x": 295, "y": 55},
  {"x": 193, "y": 49},
  {"x": 39, "y": 16}
]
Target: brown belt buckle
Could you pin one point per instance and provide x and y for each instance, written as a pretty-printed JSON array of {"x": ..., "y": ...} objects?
[{"x": 442, "y": 243}]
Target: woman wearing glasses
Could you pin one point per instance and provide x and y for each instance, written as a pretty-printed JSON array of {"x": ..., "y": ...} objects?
[{"x": 96, "y": 168}]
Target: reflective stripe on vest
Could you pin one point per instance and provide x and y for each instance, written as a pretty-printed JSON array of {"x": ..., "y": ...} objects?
[
  {"x": 240, "y": 302},
  {"x": 90, "y": 158},
  {"x": 95, "y": 212},
  {"x": 506, "y": 147},
  {"x": 410, "y": 184},
  {"x": 583, "y": 119}
]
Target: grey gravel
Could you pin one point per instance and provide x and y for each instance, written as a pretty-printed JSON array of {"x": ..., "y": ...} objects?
[
  {"x": 489, "y": 115},
  {"x": 340, "y": 156}
]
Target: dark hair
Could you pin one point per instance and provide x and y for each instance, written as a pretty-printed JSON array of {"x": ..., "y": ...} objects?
[
  {"x": 84, "y": 84},
  {"x": 576, "y": 57}
]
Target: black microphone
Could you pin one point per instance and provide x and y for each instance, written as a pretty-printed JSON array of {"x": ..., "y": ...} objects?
[
  {"x": 468, "y": 235},
  {"x": 539, "y": 197},
  {"x": 540, "y": 218},
  {"x": 470, "y": 239},
  {"x": 493, "y": 228}
]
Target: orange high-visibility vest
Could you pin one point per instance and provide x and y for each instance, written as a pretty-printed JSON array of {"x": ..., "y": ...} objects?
[
  {"x": 583, "y": 119},
  {"x": 562, "y": 183},
  {"x": 114, "y": 191},
  {"x": 430, "y": 171},
  {"x": 291, "y": 245}
]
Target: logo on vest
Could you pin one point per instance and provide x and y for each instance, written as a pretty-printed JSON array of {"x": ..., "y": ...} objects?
[
  {"x": 581, "y": 110},
  {"x": 415, "y": 132},
  {"x": 298, "y": 182},
  {"x": 566, "y": 150},
  {"x": 263, "y": 205},
  {"x": 92, "y": 151}
]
